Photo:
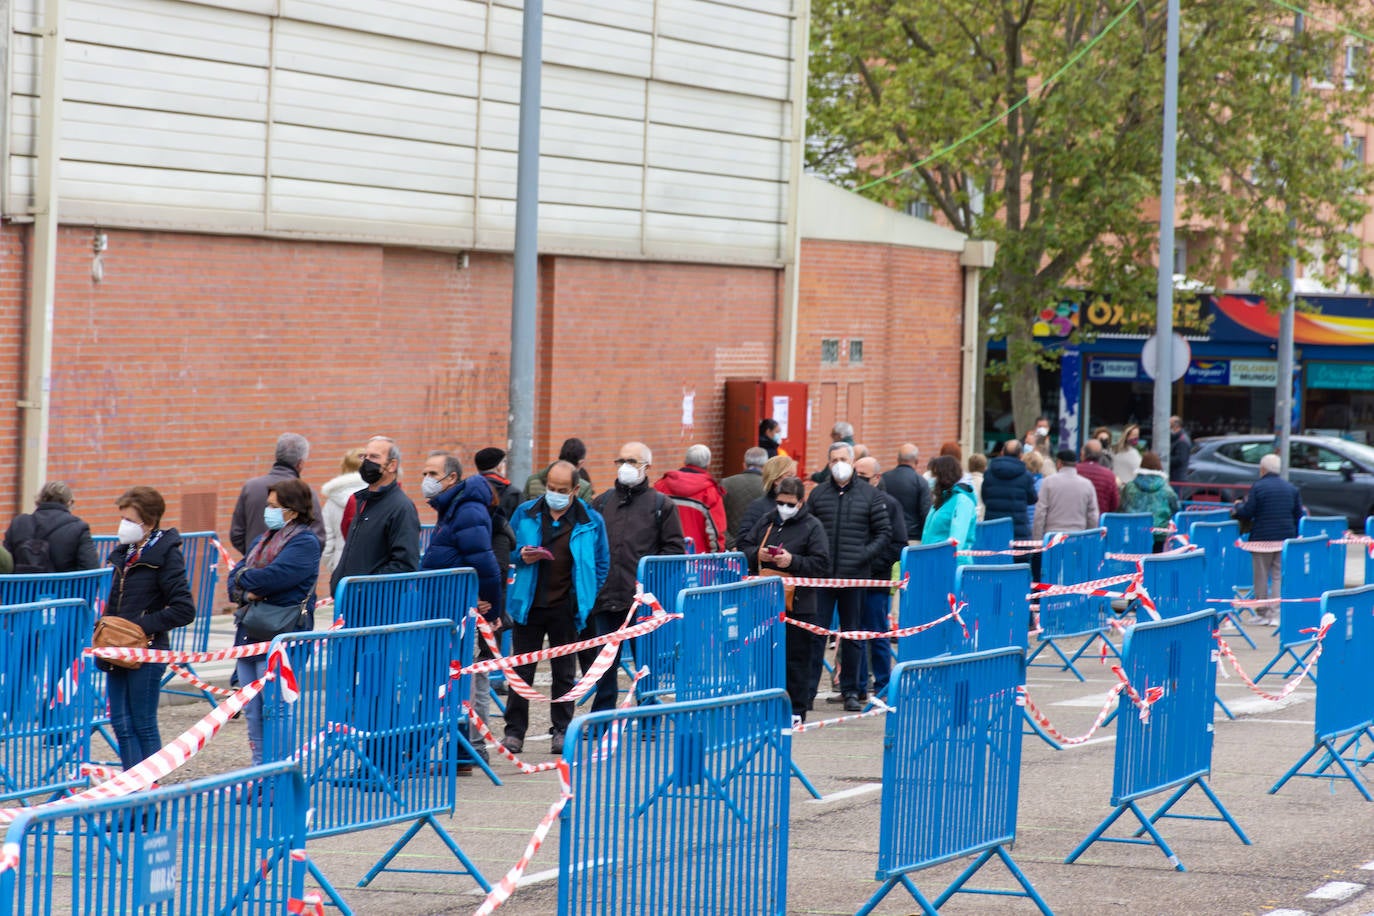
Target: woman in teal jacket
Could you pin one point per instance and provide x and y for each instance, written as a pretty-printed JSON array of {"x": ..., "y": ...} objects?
[{"x": 955, "y": 513}]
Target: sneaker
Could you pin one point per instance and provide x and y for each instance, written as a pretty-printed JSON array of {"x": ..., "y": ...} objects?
[
  {"x": 852, "y": 704},
  {"x": 513, "y": 743},
  {"x": 557, "y": 747}
]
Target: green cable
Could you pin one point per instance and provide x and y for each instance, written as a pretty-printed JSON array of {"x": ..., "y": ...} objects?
[
  {"x": 1004, "y": 115},
  {"x": 1335, "y": 25}
]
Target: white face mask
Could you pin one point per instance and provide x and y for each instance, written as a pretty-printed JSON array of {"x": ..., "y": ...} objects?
[
  {"x": 787, "y": 512},
  {"x": 629, "y": 474},
  {"x": 842, "y": 471},
  {"x": 129, "y": 532},
  {"x": 1042, "y": 431},
  {"x": 430, "y": 487}
]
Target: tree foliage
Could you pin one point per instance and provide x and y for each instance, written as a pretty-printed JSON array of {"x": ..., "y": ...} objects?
[{"x": 1066, "y": 183}]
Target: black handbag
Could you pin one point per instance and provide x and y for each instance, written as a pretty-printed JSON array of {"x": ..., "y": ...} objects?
[{"x": 262, "y": 621}]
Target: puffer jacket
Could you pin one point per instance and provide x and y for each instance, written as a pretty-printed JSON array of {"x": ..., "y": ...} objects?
[
  {"x": 462, "y": 537},
  {"x": 1008, "y": 489},
  {"x": 804, "y": 538},
  {"x": 700, "y": 505},
  {"x": 1273, "y": 508},
  {"x": 856, "y": 525},
  {"x": 954, "y": 519},
  {"x": 1148, "y": 491},
  {"x": 153, "y": 592}
]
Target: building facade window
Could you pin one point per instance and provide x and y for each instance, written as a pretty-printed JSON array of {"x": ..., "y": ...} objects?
[
  {"x": 830, "y": 351},
  {"x": 856, "y": 353}
]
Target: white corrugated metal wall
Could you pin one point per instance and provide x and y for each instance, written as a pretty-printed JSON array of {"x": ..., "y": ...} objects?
[{"x": 665, "y": 122}]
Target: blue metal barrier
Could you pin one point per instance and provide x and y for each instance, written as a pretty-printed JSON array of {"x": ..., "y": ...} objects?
[
  {"x": 1128, "y": 533},
  {"x": 1368, "y": 552},
  {"x": 929, "y": 571},
  {"x": 205, "y": 848},
  {"x": 1175, "y": 582},
  {"x": 688, "y": 815},
  {"x": 1077, "y": 558},
  {"x": 1308, "y": 570},
  {"x": 1185, "y": 519},
  {"x": 1173, "y": 750},
  {"x": 202, "y": 574},
  {"x": 998, "y": 613},
  {"x": 91, "y": 586},
  {"x": 951, "y": 770},
  {"x": 1345, "y": 709},
  {"x": 47, "y": 697},
  {"x": 426, "y": 535},
  {"x": 665, "y": 578},
  {"x": 379, "y": 601},
  {"x": 375, "y": 731},
  {"x": 1227, "y": 574},
  {"x": 994, "y": 534},
  {"x": 732, "y": 639},
  {"x": 104, "y": 546},
  {"x": 1335, "y": 527}
]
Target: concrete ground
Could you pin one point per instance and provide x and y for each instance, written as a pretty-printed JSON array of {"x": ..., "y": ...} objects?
[{"x": 1313, "y": 846}]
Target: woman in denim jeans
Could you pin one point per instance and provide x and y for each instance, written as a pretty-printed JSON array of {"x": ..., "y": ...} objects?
[
  {"x": 149, "y": 588},
  {"x": 280, "y": 569}
]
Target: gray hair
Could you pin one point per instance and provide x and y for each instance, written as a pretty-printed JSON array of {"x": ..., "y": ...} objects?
[
  {"x": 755, "y": 457},
  {"x": 451, "y": 463},
  {"x": 1270, "y": 464},
  {"x": 836, "y": 446},
  {"x": 698, "y": 456},
  {"x": 393, "y": 453},
  {"x": 842, "y": 430},
  {"x": 908, "y": 454},
  {"x": 292, "y": 449},
  {"x": 55, "y": 491}
]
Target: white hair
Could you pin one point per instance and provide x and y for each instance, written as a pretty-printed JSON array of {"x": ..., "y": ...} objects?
[
  {"x": 698, "y": 456},
  {"x": 1270, "y": 464}
]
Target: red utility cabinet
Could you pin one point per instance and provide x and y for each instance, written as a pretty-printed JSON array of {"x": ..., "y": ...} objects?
[{"x": 748, "y": 402}]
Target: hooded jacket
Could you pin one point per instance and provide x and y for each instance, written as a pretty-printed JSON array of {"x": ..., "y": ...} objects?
[
  {"x": 335, "y": 494},
  {"x": 1149, "y": 492},
  {"x": 462, "y": 537},
  {"x": 701, "y": 506},
  {"x": 69, "y": 538},
  {"x": 954, "y": 519},
  {"x": 803, "y": 537},
  {"x": 1008, "y": 489}
]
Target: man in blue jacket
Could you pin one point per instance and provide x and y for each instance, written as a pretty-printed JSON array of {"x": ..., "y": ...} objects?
[
  {"x": 561, "y": 561},
  {"x": 1273, "y": 509}
]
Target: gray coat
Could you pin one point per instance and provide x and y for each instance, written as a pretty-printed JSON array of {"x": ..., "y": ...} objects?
[
  {"x": 247, "y": 525},
  {"x": 740, "y": 491}
]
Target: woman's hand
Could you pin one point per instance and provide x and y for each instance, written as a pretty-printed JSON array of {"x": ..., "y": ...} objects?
[{"x": 782, "y": 559}]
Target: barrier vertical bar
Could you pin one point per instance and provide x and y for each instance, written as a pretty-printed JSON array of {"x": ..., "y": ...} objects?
[
  {"x": 1307, "y": 572},
  {"x": 929, "y": 571},
  {"x": 1070, "y": 559},
  {"x": 665, "y": 577},
  {"x": 993, "y": 534},
  {"x": 1130, "y": 533}
]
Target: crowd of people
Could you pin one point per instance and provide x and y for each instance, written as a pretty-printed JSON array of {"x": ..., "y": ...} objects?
[{"x": 574, "y": 553}]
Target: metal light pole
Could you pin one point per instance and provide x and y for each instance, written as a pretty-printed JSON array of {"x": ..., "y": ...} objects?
[
  {"x": 524, "y": 288},
  {"x": 1164, "y": 289},
  {"x": 1283, "y": 388}
]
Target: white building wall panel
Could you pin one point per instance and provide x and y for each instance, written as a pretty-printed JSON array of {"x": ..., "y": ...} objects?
[{"x": 666, "y": 123}]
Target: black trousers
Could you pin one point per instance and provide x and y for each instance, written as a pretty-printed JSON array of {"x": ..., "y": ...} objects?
[
  {"x": 850, "y": 602},
  {"x": 608, "y": 687},
  {"x": 559, "y": 626}
]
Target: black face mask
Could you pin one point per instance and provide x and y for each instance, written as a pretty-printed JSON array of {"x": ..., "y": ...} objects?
[{"x": 371, "y": 471}]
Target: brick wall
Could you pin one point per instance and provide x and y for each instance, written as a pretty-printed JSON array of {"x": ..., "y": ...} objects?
[
  {"x": 906, "y": 305},
  {"x": 180, "y": 368}
]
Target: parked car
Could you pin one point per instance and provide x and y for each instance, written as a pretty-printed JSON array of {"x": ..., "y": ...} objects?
[{"x": 1334, "y": 476}]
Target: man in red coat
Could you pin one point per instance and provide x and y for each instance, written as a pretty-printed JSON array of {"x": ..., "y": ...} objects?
[
  {"x": 1103, "y": 480},
  {"x": 700, "y": 500}
]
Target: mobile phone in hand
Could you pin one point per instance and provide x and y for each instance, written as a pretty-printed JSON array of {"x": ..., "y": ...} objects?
[
  {"x": 774, "y": 551},
  {"x": 542, "y": 553}
]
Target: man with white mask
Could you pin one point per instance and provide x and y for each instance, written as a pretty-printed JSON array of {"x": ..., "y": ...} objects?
[
  {"x": 640, "y": 522},
  {"x": 858, "y": 529}
]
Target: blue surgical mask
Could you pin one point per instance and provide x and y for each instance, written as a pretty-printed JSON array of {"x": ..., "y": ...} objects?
[
  {"x": 273, "y": 517},
  {"x": 558, "y": 501}
]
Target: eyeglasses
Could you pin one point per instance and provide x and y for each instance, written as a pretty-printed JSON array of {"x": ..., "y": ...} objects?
[
  {"x": 634, "y": 461},
  {"x": 781, "y": 503}
]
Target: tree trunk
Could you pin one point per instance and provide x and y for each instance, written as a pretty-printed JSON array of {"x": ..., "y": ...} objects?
[{"x": 1025, "y": 397}]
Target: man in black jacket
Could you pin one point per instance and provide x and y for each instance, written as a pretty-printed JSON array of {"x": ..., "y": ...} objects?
[
  {"x": 876, "y": 654},
  {"x": 1009, "y": 490},
  {"x": 856, "y": 522},
  {"x": 910, "y": 490},
  {"x": 640, "y": 522},
  {"x": 385, "y": 535},
  {"x": 53, "y": 530}
]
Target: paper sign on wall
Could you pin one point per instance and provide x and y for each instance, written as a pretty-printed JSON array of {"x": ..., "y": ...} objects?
[{"x": 781, "y": 406}]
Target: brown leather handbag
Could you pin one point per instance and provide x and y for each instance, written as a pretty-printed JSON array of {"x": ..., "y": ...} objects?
[{"x": 119, "y": 633}]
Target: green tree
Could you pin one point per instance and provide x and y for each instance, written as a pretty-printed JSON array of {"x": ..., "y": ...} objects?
[{"x": 1066, "y": 182}]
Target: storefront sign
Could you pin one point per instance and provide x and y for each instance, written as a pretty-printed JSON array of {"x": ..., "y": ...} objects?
[
  {"x": 1255, "y": 373},
  {"x": 1206, "y": 372},
  {"x": 1346, "y": 376},
  {"x": 1114, "y": 370}
]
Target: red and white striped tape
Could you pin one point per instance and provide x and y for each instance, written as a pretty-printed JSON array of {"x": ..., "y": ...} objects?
[
  {"x": 1091, "y": 587},
  {"x": 172, "y": 656},
  {"x": 198, "y": 683},
  {"x": 820, "y": 582},
  {"x": 879, "y": 709},
  {"x": 508, "y": 883},
  {"x": 1142, "y": 703},
  {"x": 859, "y": 635},
  {"x": 1019, "y": 548},
  {"x": 1224, "y": 651}
]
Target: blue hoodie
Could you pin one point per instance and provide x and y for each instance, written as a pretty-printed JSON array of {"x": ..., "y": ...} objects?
[{"x": 462, "y": 537}]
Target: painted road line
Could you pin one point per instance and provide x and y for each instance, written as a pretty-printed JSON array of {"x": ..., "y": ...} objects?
[
  {"x": 846, "y": 793},
  {"x": 1336, "y": 890}
]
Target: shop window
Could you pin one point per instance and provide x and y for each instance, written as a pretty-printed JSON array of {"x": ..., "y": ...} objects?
[
  {"x": 830, "y": 351},
  {"x": 856, "y": 353}
]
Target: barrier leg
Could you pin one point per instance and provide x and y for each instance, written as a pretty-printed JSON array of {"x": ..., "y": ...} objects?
[
  {"x": 798, "y": 775},
  {"x": 1234, "y": 617},
  {"x": 314, "y": 871},
  {"x": 171, "y": 675},
  {"x": 888, "y": 885},
  {"x": 1049, "y": 642},
  {"x": 1297, "y": 661},
  {"x": 1089, "y": 644},
  {"x": 1146, "y": 825},
  {"x": 1035, "y": 729},
  {"x": 1216, "y": 699},
  {"x": 469, "y": 868},
  {"x": 1000, "y": 851},
  {"x": 1163, "y": 810},
  {"x": 1334, "y": 755},
  {"x": 476, "y": 758}
]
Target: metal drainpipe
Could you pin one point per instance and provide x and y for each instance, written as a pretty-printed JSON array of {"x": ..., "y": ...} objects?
[
  {"x": 786, "y": 357},
  {"x": 42, "y": 274}
]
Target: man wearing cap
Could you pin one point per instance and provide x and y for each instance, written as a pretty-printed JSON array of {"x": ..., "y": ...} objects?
[
  {"x": 1067, "y": 501},
  {"x": 491, "y": 464}
]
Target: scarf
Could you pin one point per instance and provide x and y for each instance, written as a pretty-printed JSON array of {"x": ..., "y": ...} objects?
[{"x": 265, "y": 551}]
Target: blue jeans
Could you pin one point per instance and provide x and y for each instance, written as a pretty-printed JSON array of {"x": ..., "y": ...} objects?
[
  {"x": 876, "y": 653},
  {"x": 249, "y": 670},
  {"x": 134, "y": 696}
]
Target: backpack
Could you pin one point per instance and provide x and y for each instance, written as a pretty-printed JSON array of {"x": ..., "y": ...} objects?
[{"x": 33, "y": 554}]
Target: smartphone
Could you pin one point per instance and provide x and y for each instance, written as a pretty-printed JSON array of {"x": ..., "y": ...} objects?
[
  {"x": 542, "y": 553},
  {"x": 774, "y": 551}
]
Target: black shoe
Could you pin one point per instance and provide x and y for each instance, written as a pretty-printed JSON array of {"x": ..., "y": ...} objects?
[
  {"x": 863, "y": 696},
  {"x": 852, "y": 704},
  {"x": 836, "y": 699},
  {"x": 557, "y": 746},
  {"x": 513, "y": 743}
]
